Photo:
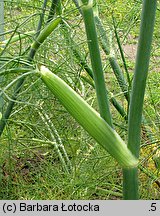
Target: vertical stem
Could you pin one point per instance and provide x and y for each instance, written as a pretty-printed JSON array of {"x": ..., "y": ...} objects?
[
  {"x": 104, "y": 41},
  {"x": 119, "y": 76},
  {"x": 41, "y": 17},
  {"x": 89, "y": 76},
  {"x": 121, "y": 52},
  {"x": 103, "y": 102},
  {"x": 55, "y": 7},
  {"x": 130, "y": 176}
]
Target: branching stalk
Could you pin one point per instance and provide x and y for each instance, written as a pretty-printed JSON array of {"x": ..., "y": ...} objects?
[
  {"x": 106, "y": 46},
  {"x": 34, "y": 47}
]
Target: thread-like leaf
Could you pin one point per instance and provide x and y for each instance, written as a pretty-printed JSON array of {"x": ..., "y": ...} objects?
[
  {"x": 18, "y": 37},
  {"x": 89, "y": 119}
]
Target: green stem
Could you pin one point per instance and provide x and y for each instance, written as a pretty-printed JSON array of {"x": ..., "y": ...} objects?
[
  {"x": 121, "y": 52},
  {"x": 42, "y": 36},
  {"x": 89, "y": 76},
  {"x": 55, "y": 7},
  {"x": 119, "y": 108},
  {"x": 36, "y": 44},
  {"x": 112, "y": 60},
  {"x": 130, "y": 176},
  {"x": 100, "y": 87},
  {"x": 41, "y": 17},
  {"x": 75, "y": 50},
  {"x": 119, "y": 75},
  {"x": 102, "y": 35},
  {"x": 105, "y": 46}
]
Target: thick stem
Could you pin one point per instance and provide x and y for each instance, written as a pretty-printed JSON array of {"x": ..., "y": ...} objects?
[
  {"x": 130, "y": 184},
  {"x": 137, "y": 95},
  {"x": 98, "y": 75}
]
